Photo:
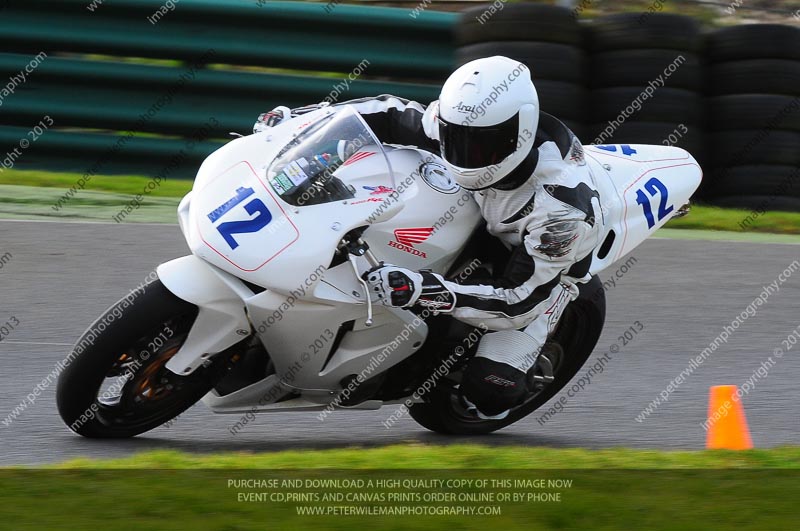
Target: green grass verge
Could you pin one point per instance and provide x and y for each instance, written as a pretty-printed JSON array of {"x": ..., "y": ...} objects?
[
  {"x": 607, "y": 489},
  {"x": 461, "y": 456},
  {"x": 729, "y": 219},
  {"x": 120, "y": 184}
]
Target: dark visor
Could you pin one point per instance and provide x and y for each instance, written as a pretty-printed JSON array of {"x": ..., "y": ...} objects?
[{"x": 468, "y": 146}]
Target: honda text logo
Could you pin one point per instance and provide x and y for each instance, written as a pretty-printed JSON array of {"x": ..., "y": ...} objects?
[{"x": 406, "y": 239}]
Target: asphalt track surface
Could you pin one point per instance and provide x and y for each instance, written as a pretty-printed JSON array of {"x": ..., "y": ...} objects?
[{"x": 63, "y": 275}]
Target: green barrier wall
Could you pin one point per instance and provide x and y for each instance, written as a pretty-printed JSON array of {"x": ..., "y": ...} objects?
[{"x": 195, "y": 74}]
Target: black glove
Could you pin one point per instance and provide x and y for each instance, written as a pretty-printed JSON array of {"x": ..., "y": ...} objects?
[{"x": 403, "y": 288}]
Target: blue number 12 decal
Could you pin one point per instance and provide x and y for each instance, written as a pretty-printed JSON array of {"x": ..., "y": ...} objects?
[
  {"x": 654, "y": 187},
  {"x": 229, "y": 228},
  {"x": 626, "y": 149}
]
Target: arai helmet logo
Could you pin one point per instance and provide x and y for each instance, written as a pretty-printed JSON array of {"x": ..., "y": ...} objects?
[
  {"x": 466, "y": 109},
  {"x": 406, "y": 239}
]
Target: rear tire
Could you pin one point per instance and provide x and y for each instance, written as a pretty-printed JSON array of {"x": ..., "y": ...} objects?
[
  {"x": 146, "y": 394},
  {"x": 577, "y": 333}
]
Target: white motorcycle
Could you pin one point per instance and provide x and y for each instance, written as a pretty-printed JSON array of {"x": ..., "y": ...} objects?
[{"x": 270, "y": 313}]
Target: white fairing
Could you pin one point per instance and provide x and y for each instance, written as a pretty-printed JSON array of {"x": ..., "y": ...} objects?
[
  {"x": 221, "y": 320},
  {"x": 641, "y": 187},
  {"x": 307, "y": 300},
  {"x": 264, "y": 262}
]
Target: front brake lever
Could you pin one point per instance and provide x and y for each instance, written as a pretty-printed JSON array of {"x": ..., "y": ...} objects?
[
  {"x": 354, "y": 250},
  {"x": 364, "y": 284}
]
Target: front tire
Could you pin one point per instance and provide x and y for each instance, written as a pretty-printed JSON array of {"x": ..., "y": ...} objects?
[
  {"x": 577, "y": 334},
  {"x": 117, "y": 384}
]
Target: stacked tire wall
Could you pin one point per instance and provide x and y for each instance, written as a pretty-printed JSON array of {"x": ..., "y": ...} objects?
[
  {"x": 646, "y": 81},
  {"x": 731, "y": 97},
  {"x": 754, "y": 111},
  {"x": 547, "y": 39}
]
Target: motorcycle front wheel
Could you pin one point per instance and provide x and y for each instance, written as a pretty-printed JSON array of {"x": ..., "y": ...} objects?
[{"x": 116, "y": 383}]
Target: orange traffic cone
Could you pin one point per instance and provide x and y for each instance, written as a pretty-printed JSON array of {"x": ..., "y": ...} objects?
[{"x": 726, "y": 423}]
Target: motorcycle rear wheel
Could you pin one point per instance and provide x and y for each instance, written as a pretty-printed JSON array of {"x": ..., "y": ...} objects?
[
  {"x": 577, "y": 334},
  {"x": 130, "y": 350}
]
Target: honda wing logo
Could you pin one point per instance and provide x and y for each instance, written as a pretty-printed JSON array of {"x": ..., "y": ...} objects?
[{"x": 406, "y": 239}]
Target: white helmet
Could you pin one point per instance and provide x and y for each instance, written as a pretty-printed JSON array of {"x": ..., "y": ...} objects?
[{"x": 488, "y": 115}]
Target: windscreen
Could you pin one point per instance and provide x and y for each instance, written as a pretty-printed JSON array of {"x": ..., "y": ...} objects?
[{"x": 319, "y": 164}]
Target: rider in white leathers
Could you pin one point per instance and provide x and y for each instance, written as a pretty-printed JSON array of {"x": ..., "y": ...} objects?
[{"x": 537, "y": 196}]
